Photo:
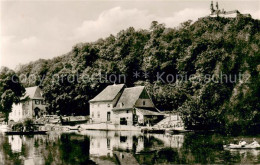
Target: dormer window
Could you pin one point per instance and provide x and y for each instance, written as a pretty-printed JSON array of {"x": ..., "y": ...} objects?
[{"x": 143, "y": 102}]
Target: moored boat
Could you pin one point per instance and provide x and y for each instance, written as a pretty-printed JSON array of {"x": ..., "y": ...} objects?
[
  {"x": 153, "y": 130},
  {"x": 237, "y": 146},
  {"x": 25, "y": 133},
  {"x": 73, "y": 120}
]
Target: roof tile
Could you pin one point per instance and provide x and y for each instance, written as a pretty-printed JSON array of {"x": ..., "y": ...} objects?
[{"x": 129, "y": 97}]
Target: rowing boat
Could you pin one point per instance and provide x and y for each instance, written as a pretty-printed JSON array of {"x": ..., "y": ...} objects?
[{"x": 237, "y": 146}]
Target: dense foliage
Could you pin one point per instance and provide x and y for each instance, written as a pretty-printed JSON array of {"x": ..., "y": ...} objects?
[
  {"x": 10, "y": 91},
  {"x": 219, "y": 49}
]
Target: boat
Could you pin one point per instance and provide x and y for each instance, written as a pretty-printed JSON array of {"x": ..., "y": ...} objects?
[
  {"x": 177, "y": 131},
  {"x": 237, "y": 146},
  {"x": 153, "y": 130},
  {"x": 26, "y": 133},
  {"x": 73, "y": 120}
]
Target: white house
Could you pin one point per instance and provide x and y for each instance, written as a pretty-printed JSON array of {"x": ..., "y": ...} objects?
[
  {"x": 35, "y": 107},
  {"x": 125, "y": 106},
  {"x": 101, "y": 106}
]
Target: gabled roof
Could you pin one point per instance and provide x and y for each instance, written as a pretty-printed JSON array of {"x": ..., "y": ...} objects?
[
  {"x": 33, "y": 93},
  {"x": 129, "y": 97},
  {"x": 108, "y": 94}
]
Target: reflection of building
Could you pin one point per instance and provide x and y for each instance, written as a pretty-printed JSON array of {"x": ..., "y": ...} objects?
[
  {"x": 106, "y": 143},
  {"x": 173, "y": 141},
  {"x": 15, "y": 142},
  {"x": 125, "y": 106},
  {"x": 34, "y": 107},
  {"x": 103, "y": 143},
  {"x": 126, "y": 158},
  {"x": 32, "y": 150}
]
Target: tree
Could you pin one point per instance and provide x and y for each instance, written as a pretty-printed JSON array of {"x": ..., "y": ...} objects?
[
  {"x": 11, "y": 90},
  {"x": 209, "y": 46}
]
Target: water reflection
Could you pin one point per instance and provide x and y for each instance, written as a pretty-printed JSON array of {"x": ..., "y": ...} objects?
[
  {"x": 108, "y": 147},
  {"x": 103, "y": 143},
  {"x": 16, "y": 143}
]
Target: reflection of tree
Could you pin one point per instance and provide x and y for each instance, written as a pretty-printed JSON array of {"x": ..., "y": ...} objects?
[
  {"x": 68, "y": 149},
  {"x": 74, "y": 149},
  {"x": 197, "y": 148},
  {"x": 170, "y": 155},
  {"x": 207, "y": 149},
  {"x": 151, "y": 142},
  {"x": 9, "y": 155},
  {"x": 203, "y": 148},
  {"x": 148, "y": 155}
]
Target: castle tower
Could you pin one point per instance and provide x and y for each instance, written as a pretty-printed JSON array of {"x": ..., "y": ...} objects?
[{"x": 212, "y": 7}]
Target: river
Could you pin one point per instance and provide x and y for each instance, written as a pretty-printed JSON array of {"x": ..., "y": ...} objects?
[{"x": 109, "y": 147}]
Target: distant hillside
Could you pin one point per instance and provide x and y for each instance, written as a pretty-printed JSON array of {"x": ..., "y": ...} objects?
[{"x": 214, "y": 46}]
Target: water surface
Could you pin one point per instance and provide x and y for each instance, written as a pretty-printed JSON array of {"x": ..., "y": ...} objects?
[{"x": 109, "y": 147}]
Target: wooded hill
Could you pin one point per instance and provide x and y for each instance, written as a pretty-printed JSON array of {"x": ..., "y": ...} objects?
[{"x": 214, "y": 46}]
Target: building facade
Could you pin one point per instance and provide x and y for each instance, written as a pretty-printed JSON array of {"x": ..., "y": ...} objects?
[
  {"x": 33, "y": 108},
  {"x": 117, "y": 104}
]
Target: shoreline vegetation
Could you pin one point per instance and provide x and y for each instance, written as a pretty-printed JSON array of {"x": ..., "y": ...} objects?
[{"x": 208, "y": 46}]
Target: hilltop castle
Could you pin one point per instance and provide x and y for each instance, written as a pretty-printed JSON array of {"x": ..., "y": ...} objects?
[{"x": 222, "y": 13}]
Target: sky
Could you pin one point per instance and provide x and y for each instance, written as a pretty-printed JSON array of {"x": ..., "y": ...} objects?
[{"x": 36, "y": 29}]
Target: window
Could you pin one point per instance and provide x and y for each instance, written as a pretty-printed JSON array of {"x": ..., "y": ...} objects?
[
  {"x": 37, "y": 102},
  {"x": 123, "y": 139},
  {"x": 108, "y": 105},
  {"x": 122, "y": 104},
  {"x": 108, "y": 143},
  {"x": 43, "y": 102},
  {"x": 123, "y": 121},
  {"x": 98, "y": 114},
  {"x": 108, "y": 116},
  {"x": 143, "y": 102}
]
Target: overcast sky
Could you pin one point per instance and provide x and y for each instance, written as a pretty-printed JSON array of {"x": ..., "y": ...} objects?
[{"x": 44, "y": 29}]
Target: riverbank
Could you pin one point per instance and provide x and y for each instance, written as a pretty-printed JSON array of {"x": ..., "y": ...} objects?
[{"x": 110, "y": 127}]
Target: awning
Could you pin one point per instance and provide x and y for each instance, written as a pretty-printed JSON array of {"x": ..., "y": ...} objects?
[{"x": 148, "y": 112}]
